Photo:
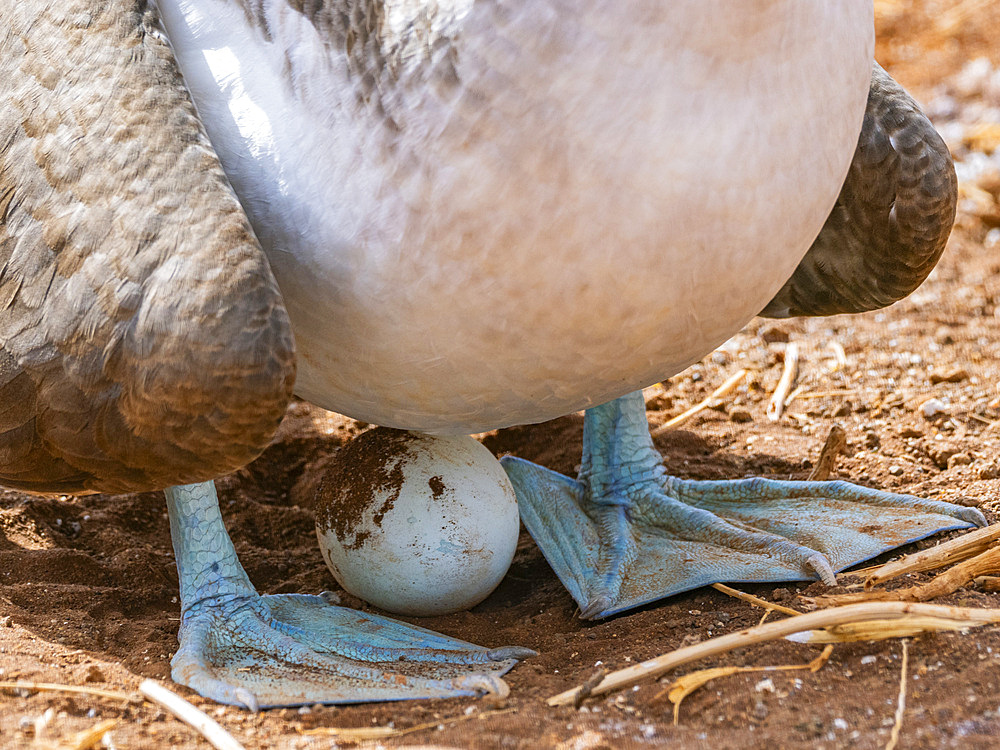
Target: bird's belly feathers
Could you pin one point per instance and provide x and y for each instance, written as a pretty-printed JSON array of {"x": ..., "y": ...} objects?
[{"x": 527, "y": 229}]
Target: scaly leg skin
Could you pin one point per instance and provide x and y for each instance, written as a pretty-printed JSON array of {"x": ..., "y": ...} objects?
[
  {"x": 625, "y": 533},
  {"x": 244, "y": 649}
]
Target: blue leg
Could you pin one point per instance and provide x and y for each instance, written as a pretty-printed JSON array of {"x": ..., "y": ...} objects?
[
  {"x": 625, "y": 533},
  {"x": 241, "y": 648}
]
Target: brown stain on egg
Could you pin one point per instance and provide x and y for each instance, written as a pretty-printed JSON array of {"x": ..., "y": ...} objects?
[
  {"x": 364, "y": 468},
  {"x": 437, "y": 486}
]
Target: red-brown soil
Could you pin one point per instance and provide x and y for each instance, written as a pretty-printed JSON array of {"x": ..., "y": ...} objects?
[{"x": 88, "y": 589}]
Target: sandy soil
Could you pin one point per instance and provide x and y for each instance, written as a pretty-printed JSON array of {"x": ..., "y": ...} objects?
[{"x": 88, "y": 589}]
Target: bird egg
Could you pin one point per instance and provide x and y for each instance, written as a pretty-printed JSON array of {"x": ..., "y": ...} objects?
[{"x": 416, "y": 524}]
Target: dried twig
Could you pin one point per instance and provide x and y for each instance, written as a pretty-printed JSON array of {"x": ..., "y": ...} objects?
[
  {"x": 988, "y": 583},
  {"x": 90, "y": 738},
  {"x": 799, "y": 389},
  {"x": 900, "y": 702},
  {"x": 190, "y": 715},
  {"x": 835, "y": 443},
  {"x": 879, "y": 630},
  {"x": 776, "y": 405},
  {"x": 838, "y": 354},
  {"x": 589, "y": 684},
  {"x": 41, "y": 724},
  {"x": 955, "y": 550},
  {"x": 52, "y": 687},
  {"x": 951, "y": 617},
  {"x": 731, "y": 382},
  {"x": 681, "y": 688},
  {"x": 987, "y": 563},
  {"x": 754, "y": 600}
]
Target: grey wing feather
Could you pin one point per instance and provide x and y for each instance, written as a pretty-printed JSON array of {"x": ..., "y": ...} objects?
[
  {"x": 143, "y": 340},
  {"x": 891, "y": 221}
]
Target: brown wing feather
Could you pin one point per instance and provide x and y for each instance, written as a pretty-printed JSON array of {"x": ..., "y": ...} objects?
[
  {"x": 891, "y": 221},
  {"x": 143, "y": 340}
]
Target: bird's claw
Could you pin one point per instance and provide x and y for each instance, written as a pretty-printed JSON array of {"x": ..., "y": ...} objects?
[{"x": 822, "y": 568}]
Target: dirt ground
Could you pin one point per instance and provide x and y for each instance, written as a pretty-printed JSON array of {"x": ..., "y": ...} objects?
[{"x": 88, "y": 589}]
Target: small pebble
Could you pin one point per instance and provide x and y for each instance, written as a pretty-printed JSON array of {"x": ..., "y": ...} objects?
[
  {"x": 781, "y": 594},
  {"x": 739, "y": 414},
  {"x": 959, "y": 459},
  {"x": 895, "y": 470},
  {"x": 955, "y": 375},
  {"x": 94, "y": 674},
  {"x": 932, "y": 407},
  {"x": 767, "y": 684},
  {"x": 941, "y": 453},
  {"x": 990, "y": 471},
  {"x": 773, "y": 334},
  {"x": 493, "y": 703},
  {"x": 842, "y": 410},
  {"x": 943, "y": 335}
]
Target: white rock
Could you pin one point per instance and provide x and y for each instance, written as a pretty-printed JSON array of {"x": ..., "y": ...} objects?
[
  {"x": 932, "y": 407},
  {"x": 767, "y": 684}
]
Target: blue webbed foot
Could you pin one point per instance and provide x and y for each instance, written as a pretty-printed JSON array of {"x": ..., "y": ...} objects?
[
  {"x": 625, "y": 533},
  {"x": 241, "y": 648}
]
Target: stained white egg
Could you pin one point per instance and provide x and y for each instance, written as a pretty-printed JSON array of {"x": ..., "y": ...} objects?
[{"x": 416, "y": 524}]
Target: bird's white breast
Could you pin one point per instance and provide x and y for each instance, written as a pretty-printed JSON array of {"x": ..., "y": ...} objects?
[{"x": 529, "y": 207}]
